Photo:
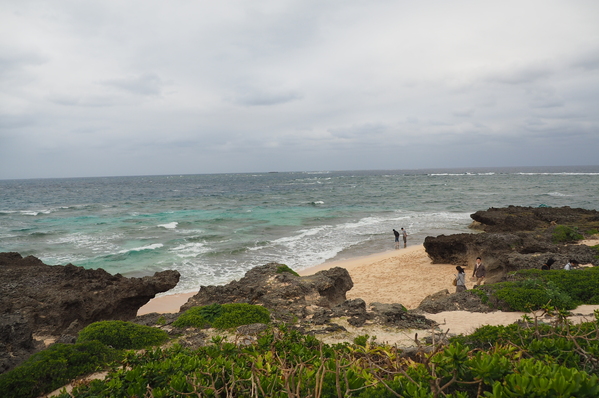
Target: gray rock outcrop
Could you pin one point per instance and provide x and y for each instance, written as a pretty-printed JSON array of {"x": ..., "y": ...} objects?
[
  {"x": 516, "y": 238},
  {"x": 284, "y": 293},
  {"x": 40, "y": 299}
]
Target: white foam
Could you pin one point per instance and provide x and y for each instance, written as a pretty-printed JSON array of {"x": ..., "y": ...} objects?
[
  {"x": 188, "y": 250},
  {"x": 153, "y": 246},
  {"x": 558, "y": 194},
  {"x": 170, "y": 225}
]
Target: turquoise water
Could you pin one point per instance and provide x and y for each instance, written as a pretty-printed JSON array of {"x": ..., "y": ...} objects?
[{"x": 213, "y": 228}]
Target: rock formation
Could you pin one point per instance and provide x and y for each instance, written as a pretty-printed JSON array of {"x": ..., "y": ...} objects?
[
  {"x": 446, "y": 301},
  {"x": 41, "y": 299},
  {"x": 310, "y": 300},
  {"x": 281, "y": 292},
  {"x": 516, "y": 238}
]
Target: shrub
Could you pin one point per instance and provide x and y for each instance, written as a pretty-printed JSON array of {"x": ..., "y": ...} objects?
[
  {"x": 535, "y": 288},
  {"x": 123, "y": 335},
  {"x": 563, "y": 233},
  {"x": 580, "y": 285},
  {"x": 524, "y": 296},
  {"x": 223, "y": 316},
  {"x": 54, "y": 367},
  {"x": 482, "y": 294},
  {"x": 241, "y": 314},
  {"x": 283, "y": 268}
]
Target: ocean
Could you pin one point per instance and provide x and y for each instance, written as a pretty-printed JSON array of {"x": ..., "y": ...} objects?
[{"x": 213, "y": 228}]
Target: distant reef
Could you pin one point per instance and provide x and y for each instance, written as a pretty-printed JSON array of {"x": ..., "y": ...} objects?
[{"x": 37, "y": 299}]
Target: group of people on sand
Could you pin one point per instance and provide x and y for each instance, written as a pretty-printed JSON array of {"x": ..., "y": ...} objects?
[
  {"x": 478, "y": 275},
  {"x": 403, "y": 234}
]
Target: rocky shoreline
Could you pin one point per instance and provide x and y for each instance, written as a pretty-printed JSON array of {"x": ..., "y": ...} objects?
[{"x": 57, "y": 301}]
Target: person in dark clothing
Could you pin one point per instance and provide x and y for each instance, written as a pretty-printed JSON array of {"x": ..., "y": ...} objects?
[
  {"x": 396, "y": 238},
  {"x": 547, "y": 265}
]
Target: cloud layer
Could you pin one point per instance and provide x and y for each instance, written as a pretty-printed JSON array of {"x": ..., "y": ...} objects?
[{"x": 150, "y": 87}]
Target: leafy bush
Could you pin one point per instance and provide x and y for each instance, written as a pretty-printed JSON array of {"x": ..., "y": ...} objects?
[
  {"x": 285, "y": 363},
  {"x": 482, "y": 294},
  {"x": 122, "y": 335},
  {"x": 563, "y": 233},
  {"x": 54, "y": 367},
  {"x": 580, "y": 285},
  {"x": 523, "y": 296},
  {"x": 223, "y": 316},
  {"x": 535, "y": 288},
  {"x": 241, "y": 314},
  {"x": 284, "y": 268}
]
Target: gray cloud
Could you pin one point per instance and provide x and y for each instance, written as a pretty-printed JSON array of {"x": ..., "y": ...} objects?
[
  {"x": 144, "y": 84},
  {"x": 263, "y": 98},
  {"x": 147, "y": 87}
]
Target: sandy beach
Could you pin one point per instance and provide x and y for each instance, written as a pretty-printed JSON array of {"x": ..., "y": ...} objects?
[{"x": 403, "y": 276}]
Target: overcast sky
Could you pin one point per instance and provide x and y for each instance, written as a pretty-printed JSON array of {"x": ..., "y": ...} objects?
[{"x": 103, "y": 88}]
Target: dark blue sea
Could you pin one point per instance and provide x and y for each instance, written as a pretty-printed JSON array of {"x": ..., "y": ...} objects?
[{"x": 213, "y": 228}]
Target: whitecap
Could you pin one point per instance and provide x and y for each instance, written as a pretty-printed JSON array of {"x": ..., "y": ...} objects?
[
  {"x": 153, "y": 246},
  {"x": 192, "y": 249},
  {"x": 170, "y": 225},
  {"x": 558, "y": 194}
]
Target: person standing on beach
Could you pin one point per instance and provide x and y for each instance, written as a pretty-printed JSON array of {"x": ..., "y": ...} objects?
[
  {"x": 396, "y": 238},
  {"x": 460, "y": 280},
  {"x": 479, "y": 271},
  {"x": 405, "y": 237}
]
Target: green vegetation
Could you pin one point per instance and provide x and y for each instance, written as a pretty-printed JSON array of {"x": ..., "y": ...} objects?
[
  {"x": 54, "y": 367},
  {"x": 534, "y": 289},
  {"x": 283, "y": 268},
  {"x": 593, "y": 231},
  {"x": 520, "y": 360},
  {"x": 514, "y": 361},
  {"x": 122, "y": 335},
  {"x": 564, "y": 234},
  {"x": 224, "y": 316}
]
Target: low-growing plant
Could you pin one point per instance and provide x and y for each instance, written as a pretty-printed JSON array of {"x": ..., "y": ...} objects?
[
  {"x": 514, "y": 361},
  {"x": 482, "y": 294},
  {"x": 361, "y": 340},
  {"x": 564, "y": 234},
  {"x": 520, "y": 297},
  {"x": 533, "y": 288},
  {"x": 241, "y": 314},
  {"x": 224, "y": 316},
  {"x": 596, "y": 248},
  {"x": 54, "y": 367},
  {"x": 122, "y": 335},
  {"x": 284, "y": 268}
]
